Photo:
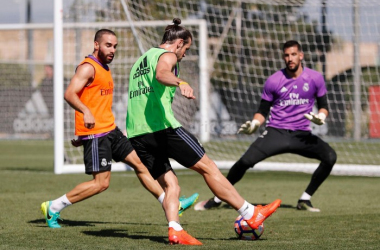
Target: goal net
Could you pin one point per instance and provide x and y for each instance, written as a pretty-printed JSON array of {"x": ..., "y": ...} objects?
[{"x": 243, "y": 47}]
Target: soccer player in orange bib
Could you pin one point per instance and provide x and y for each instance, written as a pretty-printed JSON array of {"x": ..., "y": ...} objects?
[{"x": 90, "y": 93}]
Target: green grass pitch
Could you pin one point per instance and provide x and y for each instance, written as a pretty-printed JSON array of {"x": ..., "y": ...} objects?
[{"x": 128, "y": 217}]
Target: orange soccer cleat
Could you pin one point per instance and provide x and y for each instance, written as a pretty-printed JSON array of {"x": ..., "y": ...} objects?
[
  {"x": 262, "y": 212},
  {"x": 182, "y": 238}
]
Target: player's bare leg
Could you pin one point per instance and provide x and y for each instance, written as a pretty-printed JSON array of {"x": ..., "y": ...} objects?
[
  {"x": 87, "y": 189},
  {"x": 143, "y": 174},
  {"x": 177, "y": 235},
  {"x": 225, "y": 191},
  {"x": 218, "y": 183},
  {"x": 51, "y": 209},
  {"x": 169, "y": 183}
]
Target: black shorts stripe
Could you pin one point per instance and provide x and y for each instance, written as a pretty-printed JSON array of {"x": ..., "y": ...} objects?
[{"x": 194, "y": 145}]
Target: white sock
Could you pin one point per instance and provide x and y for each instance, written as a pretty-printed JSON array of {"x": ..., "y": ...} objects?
[
  {"x": 305, "y": 196},
  {"x": 59, "y": 204},
  {"x": 217, "y": 200},
  {"x": 246, "y": 211},
  {"x": 175, "y": 225},
  {"x": 161, "y": 198}
]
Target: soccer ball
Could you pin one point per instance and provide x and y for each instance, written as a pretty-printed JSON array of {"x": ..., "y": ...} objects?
[{"x": 244, "y": 232}]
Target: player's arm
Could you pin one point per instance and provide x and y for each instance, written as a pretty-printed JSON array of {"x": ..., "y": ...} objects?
[
  {"x": 250, "y": 127},
  {"x": 322, "y": 105},
  {"x": 83, "y": 76},
  {"x": 164, "y": 74},
  {"x": 323, "y": 112}
]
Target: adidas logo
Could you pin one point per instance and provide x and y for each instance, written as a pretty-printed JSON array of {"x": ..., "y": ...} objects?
[
  {"x": 283, "y": 90},
  {"x": 260, "y": 217},
  {"x": 142, "y": 69}
]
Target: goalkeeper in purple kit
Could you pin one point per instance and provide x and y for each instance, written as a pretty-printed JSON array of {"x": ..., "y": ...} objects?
[{"x": 287, "y": 100}]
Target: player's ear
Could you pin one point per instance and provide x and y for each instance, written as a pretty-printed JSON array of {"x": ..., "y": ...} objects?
[
  {"x": 180, "y": 43},
  {"x": 301, "y": 56},
  {"x": 96, "y": 45}
]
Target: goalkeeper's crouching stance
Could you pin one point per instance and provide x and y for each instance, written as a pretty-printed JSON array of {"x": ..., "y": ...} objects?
[{"x": 288, "y": 98}]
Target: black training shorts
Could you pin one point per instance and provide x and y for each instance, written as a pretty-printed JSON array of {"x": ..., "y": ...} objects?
[
  {"x": 156, "y": 148},
  {"x": 99, "y": 152}
]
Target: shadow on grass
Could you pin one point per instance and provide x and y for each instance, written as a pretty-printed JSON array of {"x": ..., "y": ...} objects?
[
  {"x": 69, "y": 223},
  {"x": 124, "y": 234},
  {"x": 226, "y": 206},
  {"x": 120, "y": 233},
  {"x": 73, "y": 223},
  {"x": 27, "y": 169}
]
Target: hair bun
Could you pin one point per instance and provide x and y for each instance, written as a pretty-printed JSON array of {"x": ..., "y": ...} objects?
[{"x": 177, "y": 21}]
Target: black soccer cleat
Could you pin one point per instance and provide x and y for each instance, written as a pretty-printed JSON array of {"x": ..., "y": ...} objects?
[{"x": 306, "y": 205}]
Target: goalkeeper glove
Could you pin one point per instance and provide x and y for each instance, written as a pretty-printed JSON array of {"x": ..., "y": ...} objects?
[
  {"x": 249, "y": 127},
  {"x": 317, "y": 119}
]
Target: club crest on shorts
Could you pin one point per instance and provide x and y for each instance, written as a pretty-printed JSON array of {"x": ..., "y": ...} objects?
[
  {"x": 263, "y": 134},
  {"x": 104, "y": 162}
]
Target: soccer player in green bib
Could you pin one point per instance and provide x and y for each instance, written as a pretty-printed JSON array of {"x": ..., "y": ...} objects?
[{"x": 156, "y": 135}]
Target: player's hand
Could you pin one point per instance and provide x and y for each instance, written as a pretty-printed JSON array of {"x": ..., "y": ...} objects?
[
  {"x": 186, "y": 90},
  {"x": 249, "y": 127},
  {"x": 89, "y": 120},
  {"x": 318, "y": 119},
  {"x": 76, "y": 143}
]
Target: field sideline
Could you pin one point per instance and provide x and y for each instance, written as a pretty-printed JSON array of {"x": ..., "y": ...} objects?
[{"x": 128, "y": 217}]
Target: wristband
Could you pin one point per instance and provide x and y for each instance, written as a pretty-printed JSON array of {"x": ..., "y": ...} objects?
[{"x": 181, "y": 83}]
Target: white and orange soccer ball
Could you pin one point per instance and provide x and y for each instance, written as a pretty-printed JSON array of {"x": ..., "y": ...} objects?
[{"x": 245, "y": 232}]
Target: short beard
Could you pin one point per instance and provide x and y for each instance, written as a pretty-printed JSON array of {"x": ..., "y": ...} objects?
[
  {"x": 103, "y": 57},
  {"x": 294, "y": 69}
]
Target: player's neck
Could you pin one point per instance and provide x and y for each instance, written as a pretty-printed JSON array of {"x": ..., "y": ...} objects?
[
  {"x": 96, "y": 59},
  {"x": 168, "y": 47}
]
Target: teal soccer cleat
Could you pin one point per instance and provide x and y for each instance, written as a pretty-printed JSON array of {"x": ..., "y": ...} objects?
[
  {"x": 51, "y": 218},
  {"x": 185, "y": 203}
]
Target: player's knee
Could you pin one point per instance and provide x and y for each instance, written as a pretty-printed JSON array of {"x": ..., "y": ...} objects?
[
  {"x": 331, "y": 158},
  {"x": 174, "y": 187},
  {"x": 245, "y": 163},
  {"x": 103, "y": 186},
  {"x": 178, "y": 189},
  {"x": 173, "y": 190},
  {"x": 170, "y": 185}
]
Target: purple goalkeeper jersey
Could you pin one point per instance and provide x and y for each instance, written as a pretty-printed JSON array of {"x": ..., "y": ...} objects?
[{"x": 292, "y": 98}]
